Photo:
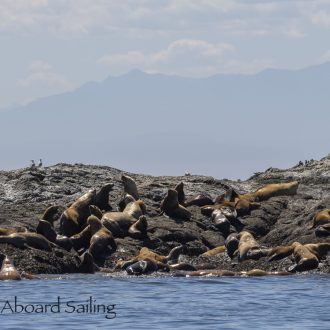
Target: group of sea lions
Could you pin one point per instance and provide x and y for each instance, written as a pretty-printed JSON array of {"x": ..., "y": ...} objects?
[{"x": 90, "y": 227}]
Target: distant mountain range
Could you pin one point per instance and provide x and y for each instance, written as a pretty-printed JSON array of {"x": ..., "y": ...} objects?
[{"x": 224, "y": 125}]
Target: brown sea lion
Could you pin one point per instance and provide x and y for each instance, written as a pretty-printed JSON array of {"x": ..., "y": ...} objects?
[
  {"x": 153, "y": 261},
  {"x": 102, "y": 198},
  {"x": 181, "y": 194},
  {"x": 86, "y": 264},
  {"x": 319, "y": 249},
  {"x": 8, "y": 231},
  {"x": 280, "y": 252},
  {"x": 82, "y": 239},
  {"x": 139, "y": 228},
  {"x": 248, "y": 247},
  {"x": 95, "y": 210},
  {"x": 321, "y": 218},
  {"x": 304, "y": 258},
  {"x": 199, "y": 200},
  {"x": 276, "y": 189},
  {"x": 214, "y": 252},
  {"x": 120, "y": 222},
  {"x": 130, "y": 186},
  {"x": 102, "y": 242},
  {"x": 171, "y": 207},
  {"x": 8, "y": 271},
  {"x": 74, "y": 218},
  {"x": 27, "y": 240},
  {"x": 52, "y": 214}
]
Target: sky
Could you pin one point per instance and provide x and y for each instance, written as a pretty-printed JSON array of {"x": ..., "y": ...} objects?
[{"x": 53, "y": 46}]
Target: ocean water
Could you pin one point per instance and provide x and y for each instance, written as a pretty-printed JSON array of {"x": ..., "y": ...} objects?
[{"x": 295, "y": 302}]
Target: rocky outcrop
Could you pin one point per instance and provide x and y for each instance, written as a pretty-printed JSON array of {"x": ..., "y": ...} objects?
[{"x": 26, "y": 193}]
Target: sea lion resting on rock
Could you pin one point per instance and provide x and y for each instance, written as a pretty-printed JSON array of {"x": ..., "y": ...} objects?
[
  {"x": 304, "y": 258},
  {"x": 120, "y": 223},
  {"x": 171, "y": 207},
  {"x": 148, "y": 261},
  {"x": 52, "y": 214},
  {"x": 28, "y": 240},
  {"x": 231, "y": 244},
  {"x": 8, "y": 231},
  {"x": 45, "y": 228},
  {"x": 74, "y": 217},
  {"x": 102, "y": 241},
  {"x": 321, "y": 218},
  {"x": 248, "y": 247}
]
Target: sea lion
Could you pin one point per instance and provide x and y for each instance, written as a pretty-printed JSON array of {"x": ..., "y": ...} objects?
[
  {"x": 154, "y": 261},
  {"x": 199, "y": 200},
  {"x": 95, "y": 210},
  {"x": 27, "y": 240},
  {"x": 171, "y": 207},
  {"x": 214, "y": 252},
  {"x": 8, "y": 231},
  {"x": 304, "y": 258},
  {"x": 86, "y": 264},
  {"x": 276, "y": 189},
  {"x": 130, "y": 186},
  {"x": 260, "y": 272},
  {"x": 210, "y": 273},
  {"x": 323, "y": 231},
  {"x": 220, "y": 221},
  {"x": 8, "y": 271},
  {"x": 321, "y": 218},
  {"x": 120, "y": 222},
  {"x": 280, "y": 252},
  {"x": 102, "y": 198},
  {"x": 102, "y": 242},
  {"x": 139, "y": 228},
  {"x": 319, "y": 249},
  {"x": 74, "y": 217},
  {"x": 52, "y": 214},
  {"x": 181, "y": 194},
  {"x": 82, "y": 239},
  {"x": 231, "y": 244},
  {"x": 248, "y": 247},
  {"x": 45, "y": 228}
]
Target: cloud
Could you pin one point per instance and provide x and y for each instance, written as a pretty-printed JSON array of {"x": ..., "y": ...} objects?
[
  {"x": 42, "y": 75},
  {"x": 189, "y": 57}
]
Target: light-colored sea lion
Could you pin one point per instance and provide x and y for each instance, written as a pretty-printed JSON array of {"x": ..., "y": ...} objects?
[
  {"x": 319, "y": 249},
  {"x": 248, "y": 247},
  {"x": 74, "y": 218},
  {"x": 8, "y": 271},
  {"x": 260, "y": 272},
  {"x": 304, "y": 258},
  {"x": 102, "y": 242},
  {"x": 27, "y": 240},
  {"x": 8, "y": 231},
  {"x": 215, "y": 251},
  {"x": 130, "y": 186},
  {"x": 277, "y": 189},
  {"x": 171, "y": 207},
  {"x": 211, "y": 273},
  {"x": 321, "y": 218},
  {"x": 102, "y": 198},
  {"x": 199, "y": 200},
  {"x": 139, "y": 228},
  {"x": 120, "y": 222},
  {"x": 280, "y": 252}
]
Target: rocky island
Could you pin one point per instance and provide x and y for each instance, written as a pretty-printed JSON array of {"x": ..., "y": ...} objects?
[{"x": 281, "y": 220}]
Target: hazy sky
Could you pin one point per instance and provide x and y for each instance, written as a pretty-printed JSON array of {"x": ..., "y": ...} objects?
[{"x": 50, "y": 46}]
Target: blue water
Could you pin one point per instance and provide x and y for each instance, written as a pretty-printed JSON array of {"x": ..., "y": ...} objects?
[{"x": 295, "y": 302}]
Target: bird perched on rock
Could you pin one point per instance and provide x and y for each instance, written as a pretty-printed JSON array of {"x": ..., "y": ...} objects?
[{"x": 40, "y": 163}]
